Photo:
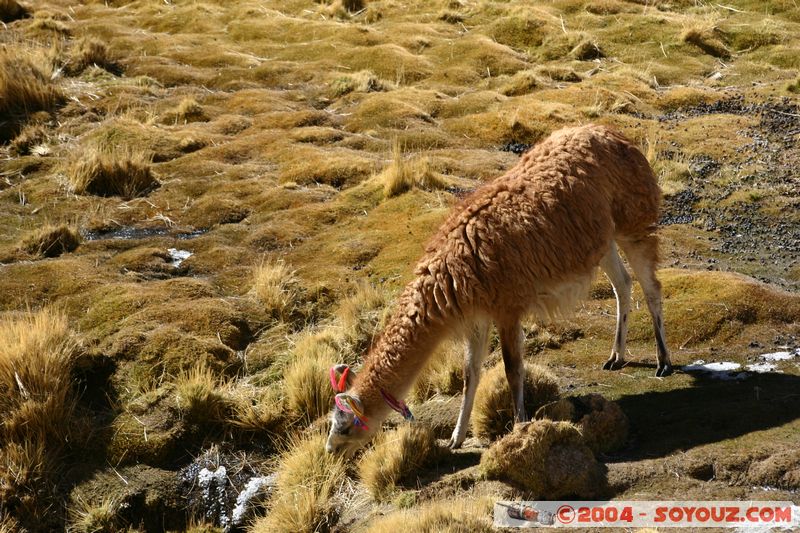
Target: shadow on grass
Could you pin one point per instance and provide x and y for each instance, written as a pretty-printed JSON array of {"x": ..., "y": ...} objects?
[{"x": 710, "y": 410}]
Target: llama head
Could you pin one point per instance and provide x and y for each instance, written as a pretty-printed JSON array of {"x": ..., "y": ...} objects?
[{"x": 349, "y": 429}]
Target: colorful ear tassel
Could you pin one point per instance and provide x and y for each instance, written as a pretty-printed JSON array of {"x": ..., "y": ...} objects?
[
  {"x": 351, "y": 405},
  {"x": 398, "y": 405},
  {"x": 341, "y": 385}
]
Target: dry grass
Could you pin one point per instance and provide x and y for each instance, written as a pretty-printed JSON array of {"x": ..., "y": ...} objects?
[
  {"x": 259, "y": 413},
  {"x": 401, "y": 175},
  {"x": 90, "y": 52},
  {"x": 92, "y": 517},
  {"x": 549, "y": 459},
  {"x": 124, "y": 173},
  {"x": 276, "y": 288},
  {"x": 27, "y": 141},
  {"x": 308, "y": 478},
  {"x": 397, "y": 457},
  {"x": 24, "y": 89},
  {"x": 603, "y": 424},
  {"x": 443, "y": 374},
  {"x": 493, "y": 414},
  {"x": 308, "y": 389},
  {"x": 364, "y": 82},
  {"x": 51, "y": 241},
  {"x": 444, "y": 516},
  {"x": 360, "y": 316},
  {"x": 200, "y": 396},
  {"x": 707, "y": 38},
  {"x": 37, "y": 354}
]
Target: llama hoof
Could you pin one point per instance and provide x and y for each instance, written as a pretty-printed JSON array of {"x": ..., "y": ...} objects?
[
  {"x": 612, "y": 364},
  {"x": 454, "y": 443},
  {"x": 663, "y": 371}
]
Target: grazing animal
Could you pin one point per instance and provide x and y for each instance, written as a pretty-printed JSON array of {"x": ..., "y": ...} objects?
[{"x": 528, "y": 242}]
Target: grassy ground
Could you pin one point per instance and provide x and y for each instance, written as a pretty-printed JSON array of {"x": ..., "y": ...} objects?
[{"x": 205, "y": 204}]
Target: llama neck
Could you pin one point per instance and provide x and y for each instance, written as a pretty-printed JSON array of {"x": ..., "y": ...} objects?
[{"x": 406, "y": 344}]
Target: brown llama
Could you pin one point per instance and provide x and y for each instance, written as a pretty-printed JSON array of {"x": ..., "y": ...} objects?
[{"x": 528, "y": 242}]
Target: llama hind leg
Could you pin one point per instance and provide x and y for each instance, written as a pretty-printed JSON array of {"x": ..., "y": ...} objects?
[
  {"x": 621, "y": 282},
  {"x": 476, "y": 350},
  {"x": 511, "y": 342},
  {"x": 642, "y": 255}
]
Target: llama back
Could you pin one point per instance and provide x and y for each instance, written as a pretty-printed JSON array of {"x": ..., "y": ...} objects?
[{"x": 533, "y": 237}]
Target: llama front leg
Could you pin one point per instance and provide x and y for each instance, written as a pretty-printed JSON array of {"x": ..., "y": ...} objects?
[
  {"x": 476, "y": 350},
  {"x": 511, "y": 342}
]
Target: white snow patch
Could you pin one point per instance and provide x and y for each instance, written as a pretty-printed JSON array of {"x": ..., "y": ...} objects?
[
  {"x": 253, "y": 488},
  {"x": 178, "y": 256},
  {"x": 722, "y": 370},
  {"x": 762, "y": 367},
  {"x": 780, "y": 356}
]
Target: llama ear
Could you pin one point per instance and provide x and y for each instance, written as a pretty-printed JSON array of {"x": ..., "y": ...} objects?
[
  {"x": 349, "y": 404},
  {"x": 341, "y": 377}
]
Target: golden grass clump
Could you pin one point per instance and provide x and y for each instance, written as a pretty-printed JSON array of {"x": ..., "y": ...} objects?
[
  {"x": 200, "y": 397},
  {"x": 363, "y": 81},
  {"x": 88, "y": 52},
  {"x": 276, "y": 287},
  {"x": 188, "y": 110},
  {"x": 602, "y": 422},
  {"x": 126, "y": 173},
  {"x": 401, "y": 175},
  {"x": 263, "y": 413},
  {"x": 360, "y": 316},
  {"x": 493, "y": 414},
  {"x": 29, "y": 141},
  {"x": 24, "y": 90},
  {"x": 442, "y": 516},
  {"x": 549, "y": 459},
  {"x": 443, "y": 374},
  {"x": 398, "y": 456},
  {"x": 37, "y": 407},
  {"x": 51, "y": 241},
  {"x": 11, "y": 10},
  {"x": 88, "y": 517},
  {"x": 307, "y": 479},
  {"x": 308, "y": 389},
  {"x": 706, "y": 39}
]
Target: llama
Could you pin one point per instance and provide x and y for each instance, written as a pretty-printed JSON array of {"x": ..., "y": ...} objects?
[{"x": 527, "y": 243}]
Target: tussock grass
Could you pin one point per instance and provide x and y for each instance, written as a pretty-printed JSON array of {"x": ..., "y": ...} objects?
[
  {"x": 24, "y": 89},
  {"x": 259, "y": 412},
  {"x": 603, "y": 424},
  {"x": 707, "y": 39},
  {"x": 88, "y": 52},
  {"x": 493, "y": 414},
  {"x": 124, "y": 173},
  {"x": 276, "y": 287},
  {"x": 364, "y": 82},
  {"x": 397, "y": 456},
  {"x": 444, "y": 373},
  {"x": 308, "y": 478},
  {"x": 187, "y": 110},
  {"x": 546, "y": 458},
  {"x": 401, "y": 175},
  {"x": 51, "y": 241},
  {"x": 200, "y": 395},
  {"x": 444, "y": 516},
  {"x": 11, "y": 10},
  {"x": 308, "y": 389},
  {"x": 28, "y": 139},
  {"x": 360, "y": 316},
  {"x": 86, "y": 516},
  {"x": 37, "y": 354}
]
